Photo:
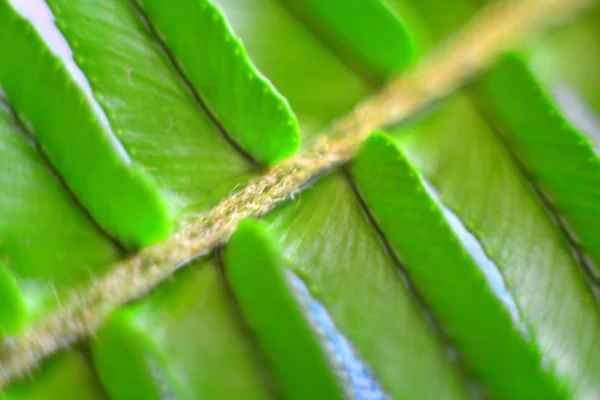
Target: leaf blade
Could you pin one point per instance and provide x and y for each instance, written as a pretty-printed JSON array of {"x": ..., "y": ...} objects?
[
  {"x": 454, "y": 287},
  {"x": 336, "y": 251},
  {"x": 185, "y": 339},
  {"x": 246, "y": 104},
  {"x": 87, "y": 158},
  {"x": 479, "y": 181},
  {"x": 255, "y": 271}
]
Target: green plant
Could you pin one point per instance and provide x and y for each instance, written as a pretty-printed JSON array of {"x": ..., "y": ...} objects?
[{"x": 111, "y": 190}]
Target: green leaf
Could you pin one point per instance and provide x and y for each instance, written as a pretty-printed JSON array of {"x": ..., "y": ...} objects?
[
  {"x": 364, "y": 32},
  {"x": 13, "y": 311},
  {"x": 256, "y": 273},
  {"x": 560, "y": 159},
  {"x": 478, "y": 179},
  {"x": 41, "y": 262},
  {"x": 66, "y": 376},
  {"x": 521, "y": 98},
  {"x": 80, "y": 146},
  {"x": 447, "y": 278},
  {"x": 185, "y": 340},
  {"x": 291, "y": 56},
  {"x": 331, "y": 244},
  {"x": 440, "y": 19},
  {"x": 153, "y": 113},
  {"x": 551, "y": 59},
  {"x": 245, "y": 103}
]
